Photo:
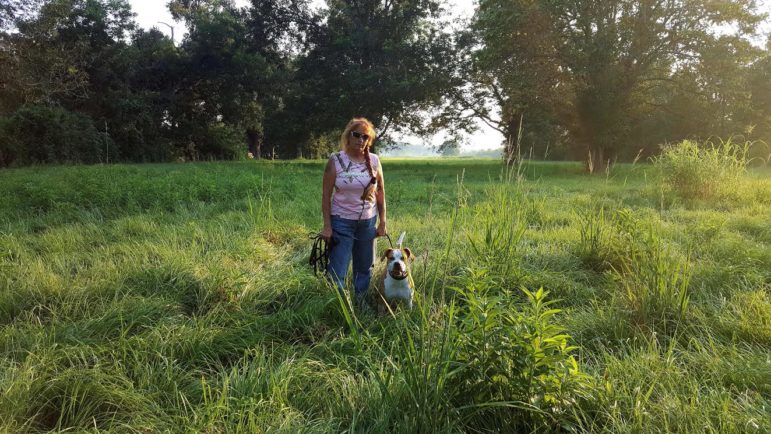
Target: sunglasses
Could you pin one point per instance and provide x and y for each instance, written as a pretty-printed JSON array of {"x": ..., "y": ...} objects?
[{"x": 358, "y": 135}]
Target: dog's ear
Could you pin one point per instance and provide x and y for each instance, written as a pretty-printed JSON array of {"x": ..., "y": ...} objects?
[
  {"x": 387, "y": 252},
  {"x": 408, "y": 253}
]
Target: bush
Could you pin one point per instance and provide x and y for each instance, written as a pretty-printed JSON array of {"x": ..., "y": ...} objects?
[
  {"x": 36, "y": 134},
  {"x": 702, "y": 171},
  {"x": 518, "y": 373},
  {"x": 492, "y": 360}
]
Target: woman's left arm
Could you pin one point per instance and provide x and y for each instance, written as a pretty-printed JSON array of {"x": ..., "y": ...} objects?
[{"x": 381, "y": 202}]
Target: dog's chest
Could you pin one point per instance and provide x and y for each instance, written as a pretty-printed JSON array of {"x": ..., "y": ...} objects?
[{"x": 397, "y": 288}]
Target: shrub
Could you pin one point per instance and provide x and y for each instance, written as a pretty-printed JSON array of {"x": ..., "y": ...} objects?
[
  {"x": 702, "y": 171},
  {"x": 492, "y": 360},
  {"x": 50, "y": 134},
  {"x": 517, "y": 370}
]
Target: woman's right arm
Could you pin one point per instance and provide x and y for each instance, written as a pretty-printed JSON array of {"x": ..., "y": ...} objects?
[{"x": 330, "y": 175}]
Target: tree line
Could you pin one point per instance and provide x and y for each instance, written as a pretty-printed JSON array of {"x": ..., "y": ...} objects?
[{"x": 596, "y": 80}]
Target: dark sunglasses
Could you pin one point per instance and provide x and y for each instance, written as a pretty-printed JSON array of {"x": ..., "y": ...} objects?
[{"x": 358, "y": 135}]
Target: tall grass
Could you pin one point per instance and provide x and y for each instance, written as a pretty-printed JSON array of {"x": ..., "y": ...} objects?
[
  {"x": 703, "y": 170},
  {"x": 656, "y": 284},
  {"x": 133, "y": 299}
]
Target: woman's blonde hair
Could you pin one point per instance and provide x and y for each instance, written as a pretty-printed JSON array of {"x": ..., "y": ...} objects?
[{"x": 355, "y": 122}]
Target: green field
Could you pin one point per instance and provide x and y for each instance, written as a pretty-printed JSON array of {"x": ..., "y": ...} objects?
[{"x": 146, "y": 298}]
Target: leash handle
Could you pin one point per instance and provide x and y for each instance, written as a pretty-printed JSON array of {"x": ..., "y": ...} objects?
[{"x": 319, "y": 258}]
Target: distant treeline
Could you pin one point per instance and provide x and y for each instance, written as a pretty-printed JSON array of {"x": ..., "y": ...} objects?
[{"x": 595, "y": 80}]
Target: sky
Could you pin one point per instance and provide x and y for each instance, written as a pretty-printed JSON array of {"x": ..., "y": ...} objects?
[{"x": 150, "y": 12}]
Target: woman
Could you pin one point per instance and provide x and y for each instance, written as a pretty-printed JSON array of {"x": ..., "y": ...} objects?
[{"x": 352, "y": 201}]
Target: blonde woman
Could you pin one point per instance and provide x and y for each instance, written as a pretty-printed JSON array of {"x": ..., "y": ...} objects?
[{"x": 353, "y": 207}]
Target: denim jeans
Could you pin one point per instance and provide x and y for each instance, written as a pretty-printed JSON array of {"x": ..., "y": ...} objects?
[{"x": 352, "y": 238}]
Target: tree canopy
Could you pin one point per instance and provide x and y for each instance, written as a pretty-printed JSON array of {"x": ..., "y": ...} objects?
[{"x": 593, "y": 80}]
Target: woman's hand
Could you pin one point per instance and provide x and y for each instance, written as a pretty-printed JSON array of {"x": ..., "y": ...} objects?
[
  {"x": 326, "y": 233},
  {"x": 381, "y": 229}
]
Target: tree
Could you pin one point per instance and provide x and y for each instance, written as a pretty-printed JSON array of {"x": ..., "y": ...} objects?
[
  {"x": 64, "y": 56},
  {"x": 617, "y": 52},
  {"x": 449, "y": 148},
  {"x": 382, "y": 59},
  {"x": 140, "y": 103},
  {"x": 238, "y": 66},
  {"x": 13, "y": 11},
  {"x": 759, "y": 113},
  {"x": 605, "y": 59},
  {"x": 506, "y": 76},
  {"x": 280, "y": 31}
]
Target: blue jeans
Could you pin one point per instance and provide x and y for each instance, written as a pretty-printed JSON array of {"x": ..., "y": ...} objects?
[{"x": 352, "y": 238}]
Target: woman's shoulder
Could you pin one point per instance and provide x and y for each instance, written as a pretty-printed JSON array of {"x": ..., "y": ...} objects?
[
  {"x": 338, "y": 157},
  {"x": 374, "y": 158}
]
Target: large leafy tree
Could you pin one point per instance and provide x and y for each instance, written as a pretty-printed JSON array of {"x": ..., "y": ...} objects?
[
  {"x": 238, "y": 66},
  {"x": 759, "y": 113},
  {"x": 382, "y": 59},
  {"x": 612, "y": 57},
  {"x": 68, "y": 54},
  {"x": 140, "y": 102},
  {"x": 55, "y": 52},
  {"x": 505, "y": 75},
  {"x": 617, "y": 51},
  {"x": 280, "y": 31}
]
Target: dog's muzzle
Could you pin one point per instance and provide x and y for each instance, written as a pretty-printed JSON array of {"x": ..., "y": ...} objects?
[{"x": 398, "y": 272}]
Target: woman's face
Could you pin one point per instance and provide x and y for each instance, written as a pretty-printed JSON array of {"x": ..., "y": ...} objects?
[{"x": 359, "y": 138}]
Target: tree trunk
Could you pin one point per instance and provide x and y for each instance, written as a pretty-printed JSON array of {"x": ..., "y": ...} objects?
[
  {"x": 5, "y": 159},
  {"x": 512, "y": 150},
  {"x": 254, "y": 141},
  {"x": 596, "y": 160}
]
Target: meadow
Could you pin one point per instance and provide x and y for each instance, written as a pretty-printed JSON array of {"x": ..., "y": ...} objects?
[{"x": 177, "y": 298}]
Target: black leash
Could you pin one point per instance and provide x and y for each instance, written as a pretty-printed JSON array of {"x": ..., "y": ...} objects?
[{"x": 319, "y": 259}]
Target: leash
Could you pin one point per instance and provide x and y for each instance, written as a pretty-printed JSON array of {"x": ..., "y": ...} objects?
[{"x": 319, "y": 259}]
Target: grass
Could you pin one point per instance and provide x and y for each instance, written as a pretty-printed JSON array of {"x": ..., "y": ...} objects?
[
  {"x": 705, "y": 170},
  {"x": 144, "y": 298}
]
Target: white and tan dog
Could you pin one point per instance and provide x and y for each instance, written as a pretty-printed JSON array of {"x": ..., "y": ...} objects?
[{"x": 397, "y": 282}]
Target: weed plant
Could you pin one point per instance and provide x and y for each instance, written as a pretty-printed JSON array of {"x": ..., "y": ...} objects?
[
  {"x": 656, "y": 285},
  {"x": 703, "y": 170},
  {"x": 168, "y": 298}
]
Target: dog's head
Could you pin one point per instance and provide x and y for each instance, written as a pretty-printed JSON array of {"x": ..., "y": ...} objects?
[{"x": 397, "y": 262}]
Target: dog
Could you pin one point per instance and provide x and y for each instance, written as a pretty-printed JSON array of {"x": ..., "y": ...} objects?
[{"x": 397, "y": 283}]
